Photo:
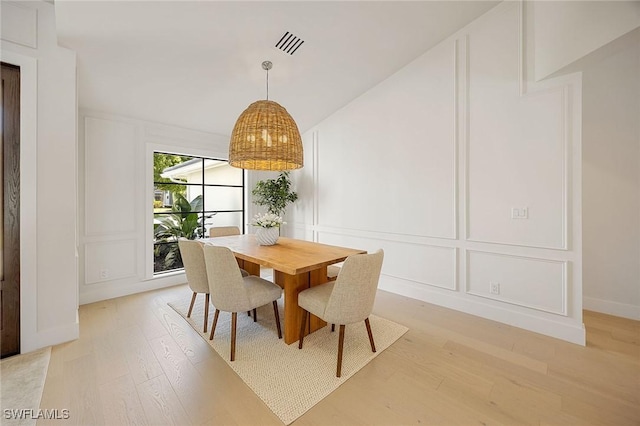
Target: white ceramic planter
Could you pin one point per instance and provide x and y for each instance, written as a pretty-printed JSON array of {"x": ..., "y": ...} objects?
[{"x": 267, "y": 236}]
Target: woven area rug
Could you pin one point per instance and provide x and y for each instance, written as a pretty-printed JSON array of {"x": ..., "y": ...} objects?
[
  {"x": 22, "y": 381},
  {"x": 290, "y": 381}
]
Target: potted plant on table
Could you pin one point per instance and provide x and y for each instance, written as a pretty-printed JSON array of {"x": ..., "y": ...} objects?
[
  {"x": 268, "y": 225},
  {"x": 275, "y": 195}
]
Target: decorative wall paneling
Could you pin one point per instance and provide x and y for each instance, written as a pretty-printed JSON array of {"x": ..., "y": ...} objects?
[
  {"x": 405, "y": 260},
  {"x": 116, "y": 244},
  {"x": 413, "y": 154},
  {"x": 533, "y": 283},
  {"x": 110, "y": 174},
  {"x": 19, "y": 24},
  {"x": 110, "y": 260},
  {"x": 498, "y": 141},
  {"x": 48, "y": 156},
  {"x": 513, "y": 160}
]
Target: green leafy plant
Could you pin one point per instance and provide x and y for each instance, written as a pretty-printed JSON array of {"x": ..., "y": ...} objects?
[
  {"x": 185, "y": 221},
  {"x": 274, "y": 194},
  {"x": 164, "y": 161}
]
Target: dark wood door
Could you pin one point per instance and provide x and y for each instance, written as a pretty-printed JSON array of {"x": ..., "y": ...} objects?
[{"x": 10, "y": 215}]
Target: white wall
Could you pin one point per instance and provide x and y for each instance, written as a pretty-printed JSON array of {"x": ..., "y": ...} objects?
[
  {"x": 48, "y": 181},
  {"x": 116, "y": 200},
  {"x": 565, "y": 31},
  {"x": 611, "y": 181},
  {"x": 429, "y": 164}
]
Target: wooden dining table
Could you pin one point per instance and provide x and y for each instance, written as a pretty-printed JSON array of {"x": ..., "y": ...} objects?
[{"x": 297, "y": 265}]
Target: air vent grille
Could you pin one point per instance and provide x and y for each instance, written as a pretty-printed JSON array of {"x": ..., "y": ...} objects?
[{"x": 289, "y": 43}]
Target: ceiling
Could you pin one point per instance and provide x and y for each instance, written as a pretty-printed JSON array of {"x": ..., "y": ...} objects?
[{"x": 197, "y": 64}]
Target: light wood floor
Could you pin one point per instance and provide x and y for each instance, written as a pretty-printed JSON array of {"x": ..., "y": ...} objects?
[{"x": 138, "y": 362}]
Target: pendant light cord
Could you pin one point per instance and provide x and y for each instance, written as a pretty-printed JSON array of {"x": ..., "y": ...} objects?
[{"x": 266, "y": 65}]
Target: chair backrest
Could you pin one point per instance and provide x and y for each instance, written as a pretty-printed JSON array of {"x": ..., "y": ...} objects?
[
  {"x": 354, "y": 291},
  {"x": 226, "y": 286},
  {"x": 223, "y": 231},
  {"x": 193, "y": 261}
]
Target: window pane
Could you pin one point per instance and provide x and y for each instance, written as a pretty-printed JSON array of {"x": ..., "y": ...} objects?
[
  {"x": 225, "y": 219},
  {"x": 221, "y": 173},
  {"x": 192, "y": 192},
  {"x": 166, "y": 257},
  {"x": 181, "y": 176},
  {"x": 173, "y": 168},
  {"x": 171, "y": 226},
  {"x": 222, "y": 198}
]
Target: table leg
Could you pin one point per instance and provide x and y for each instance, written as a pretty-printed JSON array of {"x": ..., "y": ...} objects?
[{"x": 292, "y": 285}]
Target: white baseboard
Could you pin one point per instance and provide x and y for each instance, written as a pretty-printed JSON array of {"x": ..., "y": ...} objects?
[
  {"x": 104, "y": 291},
  {"x": 609, "y": 307},
  {"x": 49, "y": 337},
  {"x": 563, "y": 328}
]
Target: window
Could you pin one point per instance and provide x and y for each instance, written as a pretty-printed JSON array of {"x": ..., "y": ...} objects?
[{"x": 191, "y": 195}]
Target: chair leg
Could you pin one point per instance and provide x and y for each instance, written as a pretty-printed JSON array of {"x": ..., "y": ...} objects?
[
  {"x": 277, "y": 315},
  {"x": 340, "y": 346},
  {"x": 215, "y": 321},
  {"x": 255, "y": 315},
  {"x": 303, "y": 325},
  {"x": 193, "y": 300},
  {"x": 333, "y": 328},
  {"x": 206, "y": 313},
  {"x": 373, "y": 345},
  {"x": 234, "y": 320},
  {"x": 248, "y": 313}
]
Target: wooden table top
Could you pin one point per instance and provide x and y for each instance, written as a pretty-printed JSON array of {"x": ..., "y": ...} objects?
[{"x": 288, "y": 255}]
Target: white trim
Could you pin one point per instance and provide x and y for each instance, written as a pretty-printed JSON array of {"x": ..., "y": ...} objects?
[
  {"x": 125, "y": 288},
  {"x": 456, "y": 139},
  {"x": 550, "y": 325},
  {"x": 53, "y": 336},
  {"x": 563, "y": 263},
  {"x": 88, "y": 233},
  {"x": 624, "y": 310}
]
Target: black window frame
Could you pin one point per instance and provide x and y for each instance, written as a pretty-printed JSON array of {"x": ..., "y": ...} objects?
[{"x": 203, "y": 212}]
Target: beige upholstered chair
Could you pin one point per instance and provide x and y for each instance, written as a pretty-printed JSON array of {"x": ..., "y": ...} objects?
[
  {"x": 223, "y": 231},
  {"x": 193, "y": 261},
  {"x": 332, "y": 272},
  {"x": 347, "y": 300},
  {"x": 231, "y": 292}
]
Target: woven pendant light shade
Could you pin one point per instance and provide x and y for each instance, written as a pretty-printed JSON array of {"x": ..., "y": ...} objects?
[{"x": 265, "y": 137}]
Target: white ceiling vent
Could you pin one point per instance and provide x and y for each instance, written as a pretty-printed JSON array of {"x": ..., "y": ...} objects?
[{"x": 289, "y": 43}]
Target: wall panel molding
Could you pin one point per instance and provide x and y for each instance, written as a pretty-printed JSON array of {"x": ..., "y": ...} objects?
[
  {"x": 19, "y": 24},
  {"x": 410, "y": 261},
  {"x": 513, "y": 274},
  {"x": 110, "y": 260},
  {"x": 557, "y": 93},
  {"x": 447, "y": 141},
  {"x": 110, "y": 155},
  {"x": 456, "y": 138}
]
